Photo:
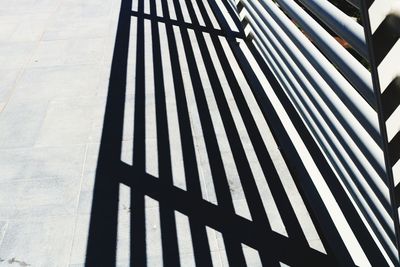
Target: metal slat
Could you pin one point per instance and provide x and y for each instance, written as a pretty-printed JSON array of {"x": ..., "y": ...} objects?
[
  {"x": 339, "y": 131},
  {"x": 325, "y": 83},
  {"x": 364, "y": 113},
  {"x": 340, "y": 23},
  {"x": 318, "y": 81},
  {"x": 384, "y": 233},
  {"x": 350, "y": 67}
]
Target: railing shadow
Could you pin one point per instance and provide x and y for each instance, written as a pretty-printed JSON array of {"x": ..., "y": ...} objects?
[{"x": 272, "y": 247}]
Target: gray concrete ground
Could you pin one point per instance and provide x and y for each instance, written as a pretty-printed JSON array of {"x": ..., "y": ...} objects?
[
  {"x": 54, "y": 67},
  {"x": 55, "y": 58}
]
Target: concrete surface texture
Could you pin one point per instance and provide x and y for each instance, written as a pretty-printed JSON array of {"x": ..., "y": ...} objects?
[
  {"x": 55, "y": 61},
  {"x": 54, "y": 70}
]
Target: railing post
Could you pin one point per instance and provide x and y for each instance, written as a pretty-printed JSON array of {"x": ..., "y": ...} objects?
[{"x": 382, "y": 31}]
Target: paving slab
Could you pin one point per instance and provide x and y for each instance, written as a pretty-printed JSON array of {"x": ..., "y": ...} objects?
[
  {"x": 43, "y": 84},
  {"x": 20, "y": 123},
  {"x": 70, "y": 121},
  {"x": 53, "y": 84},
  {"x": 8, "y": 78},
  {"x": 38, "y": 242}
]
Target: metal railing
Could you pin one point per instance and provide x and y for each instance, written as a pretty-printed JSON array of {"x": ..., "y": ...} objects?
[{"x": 347, "y": 97}]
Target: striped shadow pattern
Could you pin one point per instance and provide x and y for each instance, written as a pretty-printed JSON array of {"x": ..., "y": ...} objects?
[{"x": 215, "y": 169}]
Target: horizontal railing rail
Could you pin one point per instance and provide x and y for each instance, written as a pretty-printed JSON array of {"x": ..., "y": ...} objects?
[{"x": 333, "y": 70}]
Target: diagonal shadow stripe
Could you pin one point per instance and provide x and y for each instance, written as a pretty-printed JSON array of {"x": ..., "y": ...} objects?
[
  {"x": 228, "y": 223},
  {"x": 288, "y": 215},
  {"x": 200, "y": 242},
  {"x": 183, "y": 24},
  {"x": 233, "y": 249}
]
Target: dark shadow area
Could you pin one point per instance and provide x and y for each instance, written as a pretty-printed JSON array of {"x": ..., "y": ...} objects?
[{"x": 236, "y": 230}]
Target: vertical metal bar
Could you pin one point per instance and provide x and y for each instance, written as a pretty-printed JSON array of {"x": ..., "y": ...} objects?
[{"x": 365, "y": 16}]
